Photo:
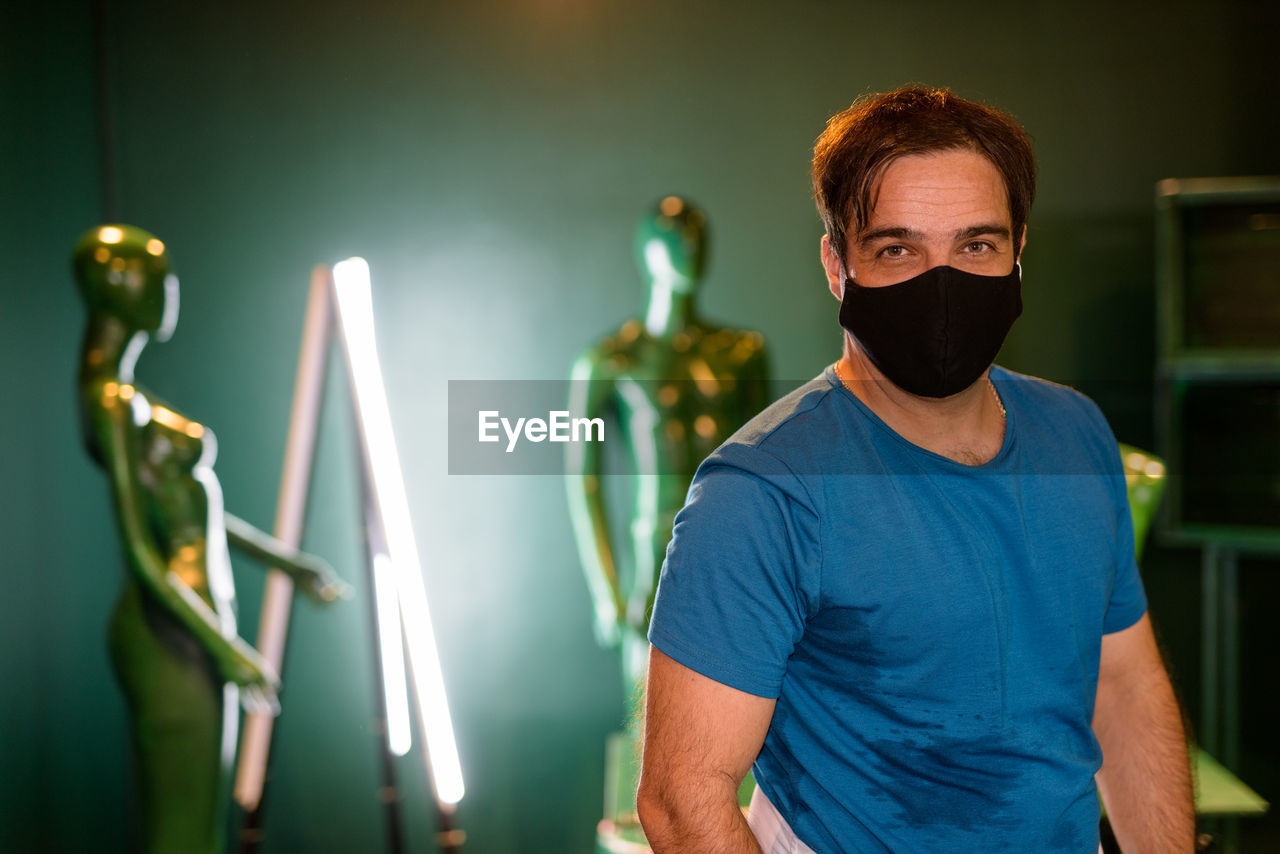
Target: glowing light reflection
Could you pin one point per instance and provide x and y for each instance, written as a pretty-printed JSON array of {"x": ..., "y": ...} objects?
[
  {"x": 395, "y": 692},
  {"x": 355, "y": 313}
]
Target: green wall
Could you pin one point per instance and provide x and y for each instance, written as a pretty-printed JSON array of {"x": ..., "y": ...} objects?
[
  {"x": 61, "y": 757},
  {"x": 490, "y": 160}
]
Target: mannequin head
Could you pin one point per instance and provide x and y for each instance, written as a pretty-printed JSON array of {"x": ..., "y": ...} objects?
[
  {"x": 123, "y": 272},
  {"x": 671, "y": 244}
]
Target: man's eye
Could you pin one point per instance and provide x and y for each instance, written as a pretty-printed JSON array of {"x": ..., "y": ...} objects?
[
  {"x": 979, "y": 246},
  {"x": 893, "y": 251}
]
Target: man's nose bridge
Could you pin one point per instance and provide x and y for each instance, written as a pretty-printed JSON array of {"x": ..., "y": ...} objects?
[{"x": 936, "y": 253}]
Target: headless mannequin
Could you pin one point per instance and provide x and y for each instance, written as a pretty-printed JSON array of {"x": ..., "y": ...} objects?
[
  {"x": 678, "y": 387},
  {"x": 173, "y": 637}
]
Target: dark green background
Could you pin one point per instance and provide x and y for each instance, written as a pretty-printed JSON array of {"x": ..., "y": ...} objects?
[{"x": 490, "y": 160}]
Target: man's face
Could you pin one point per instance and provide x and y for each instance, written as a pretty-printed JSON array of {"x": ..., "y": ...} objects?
[{"x": 945, "y": 207}]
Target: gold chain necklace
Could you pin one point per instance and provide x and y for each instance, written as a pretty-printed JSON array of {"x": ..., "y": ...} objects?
[{"x": 996, "y": 395}]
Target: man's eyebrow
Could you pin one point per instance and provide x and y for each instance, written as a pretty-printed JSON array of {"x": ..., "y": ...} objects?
[
  {"x": 980, "y": 230},
  {"x": 896, "y": 232},
  {"x": 902, "y": 232}
]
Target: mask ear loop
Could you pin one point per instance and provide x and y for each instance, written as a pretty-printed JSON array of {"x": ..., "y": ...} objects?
[{"x": 846, "y": 281}]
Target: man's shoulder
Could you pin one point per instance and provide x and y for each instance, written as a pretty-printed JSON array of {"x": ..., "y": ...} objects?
[
  {"x": 788, "y": 418},
  {"x": 1042, "y": 397},
  {"x": 1064, "y": 425},
  {"x": 783, "y": 437}
]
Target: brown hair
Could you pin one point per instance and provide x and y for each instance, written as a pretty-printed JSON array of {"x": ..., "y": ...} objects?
[{"x": 859, "y": 143}]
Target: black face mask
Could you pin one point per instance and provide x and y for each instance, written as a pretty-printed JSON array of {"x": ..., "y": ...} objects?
[{"x": 935, "y": 334}]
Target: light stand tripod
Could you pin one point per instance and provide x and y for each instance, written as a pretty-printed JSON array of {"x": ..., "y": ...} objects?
[{"x": 402, "y": 620}]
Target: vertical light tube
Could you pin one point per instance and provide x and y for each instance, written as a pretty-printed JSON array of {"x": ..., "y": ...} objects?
[
  {"x": 290, "y": 509},
  {"x": 391, "y": 646},
  {"x": 355, "y": 315}
]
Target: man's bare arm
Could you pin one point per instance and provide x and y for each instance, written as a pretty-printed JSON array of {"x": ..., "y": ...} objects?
[
  {"x": 700, "y": 738},
  {"x": 1145, "y": 779}
]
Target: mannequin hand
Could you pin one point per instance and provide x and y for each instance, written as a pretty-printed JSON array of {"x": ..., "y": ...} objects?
[
  {"x": 321, "y": 584},
  {"x": 257, "y": 701},
  {"x": 245, "y": 666}
]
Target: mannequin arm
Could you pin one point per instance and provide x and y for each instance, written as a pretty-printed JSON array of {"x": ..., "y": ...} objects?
[
  {"x": 312, "y": 574},
  {"x": 236, "y": 660},
  {"x": 588, "y": 396}
]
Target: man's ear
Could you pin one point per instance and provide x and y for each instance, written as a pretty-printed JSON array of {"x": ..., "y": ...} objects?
[
  {"x": 1022, "y": 243},
  {"x": 834, "y": 269}
]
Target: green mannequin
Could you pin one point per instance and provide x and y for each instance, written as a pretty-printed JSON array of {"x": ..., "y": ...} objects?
[
  {"x": 679, "y": 387},
  {"x": 173, "y": 634}
]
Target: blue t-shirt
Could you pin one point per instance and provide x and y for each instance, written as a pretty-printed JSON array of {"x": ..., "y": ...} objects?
[{"x": 931, "y": 630}]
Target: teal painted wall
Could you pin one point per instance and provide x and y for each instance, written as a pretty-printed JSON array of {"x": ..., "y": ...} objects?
[
  {"x": 61, "y": 756},
  {"x": 490, "y": 160}
]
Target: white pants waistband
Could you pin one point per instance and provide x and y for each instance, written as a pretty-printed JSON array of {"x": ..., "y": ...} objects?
[{"x": 771, "y": 829}]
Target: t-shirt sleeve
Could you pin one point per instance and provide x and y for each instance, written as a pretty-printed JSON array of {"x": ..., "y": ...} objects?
[
  {"x": 741, "y": 573},
  {"x": 1128, "y": 600}
]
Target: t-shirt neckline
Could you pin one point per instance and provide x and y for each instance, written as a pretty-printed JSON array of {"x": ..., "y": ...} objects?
[{"x": 997, "y": 374}]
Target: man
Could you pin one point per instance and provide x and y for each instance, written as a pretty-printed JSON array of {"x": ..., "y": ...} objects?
[{"x": 905, "y": 594}]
